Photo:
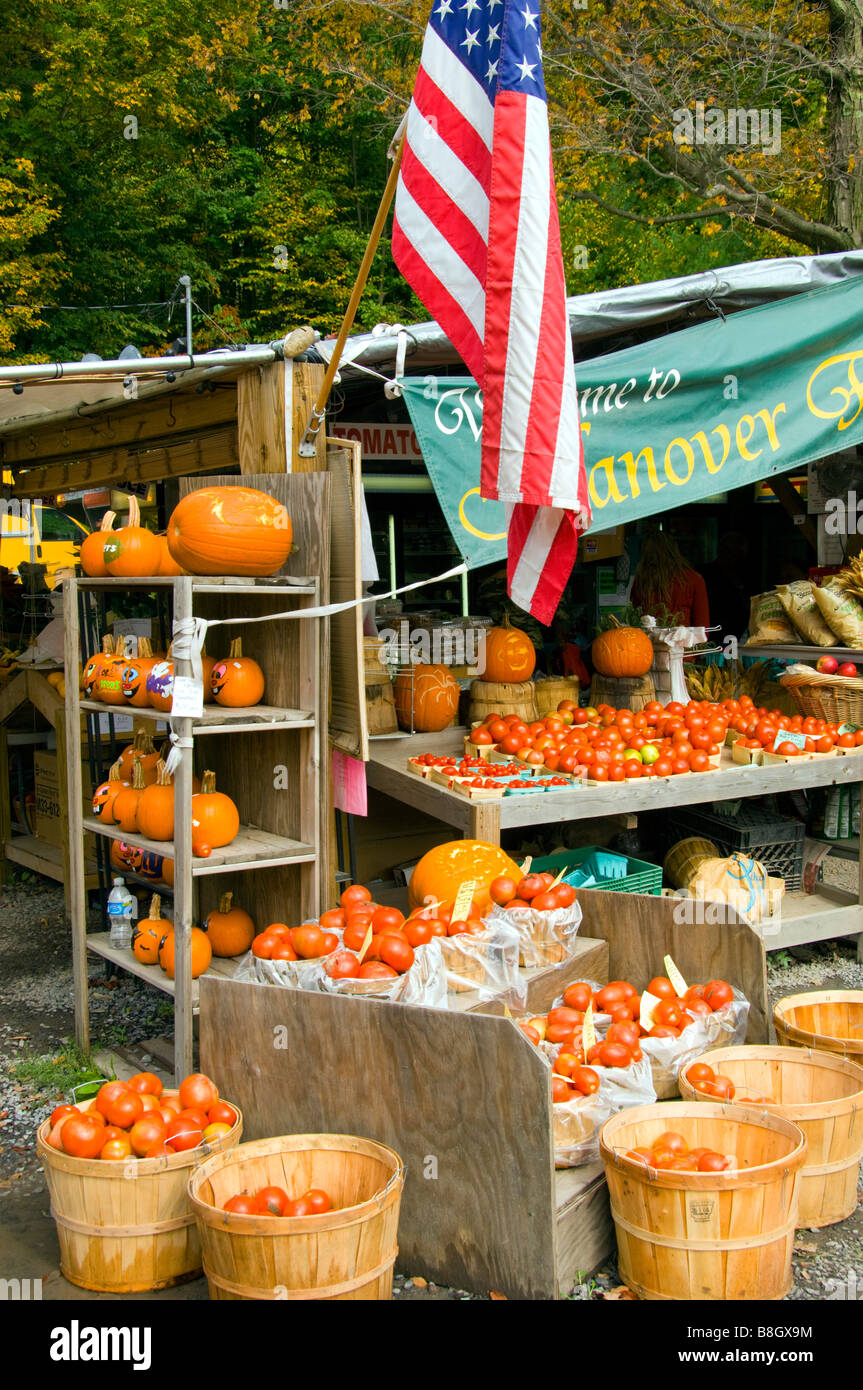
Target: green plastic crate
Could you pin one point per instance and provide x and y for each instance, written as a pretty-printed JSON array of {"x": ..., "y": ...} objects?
[{"x": 640, "y": 876}]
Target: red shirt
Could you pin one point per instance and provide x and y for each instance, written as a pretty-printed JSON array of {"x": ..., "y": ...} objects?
[{"x": 687, "y": 598}]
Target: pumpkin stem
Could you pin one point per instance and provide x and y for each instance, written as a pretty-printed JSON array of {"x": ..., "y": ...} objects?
[
  {"x": 134, "y": 512},
  {"x": 108, "y": 645},
  {"x": 138, "y": 783},
  {"x": 225, "y": 903},
  {"x": 163, "y": 777},
  {"x": 208, "y": 783},
  {"x": 155, "y": 907},
  {"x": 107, "y": 521},
  {"x": 236, "y": 651},
  {"x": 115, "y": 773},
  {"x": 143, "y": 741},
  {"x": 615, "y": 622},
  {"x": 145, "y": 648}
]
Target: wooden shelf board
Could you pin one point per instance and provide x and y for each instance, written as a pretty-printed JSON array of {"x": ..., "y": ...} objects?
[
  {"x": 252, "y": 849},
  {"x": 205, "y": 584},
  {"x": 798, "y": 652},
  {"x": 44, "y": 858},
  {"x": 100, "y": 944},
  {"x": 216, "y": 720},
  {"x": 819, "y": 916}
]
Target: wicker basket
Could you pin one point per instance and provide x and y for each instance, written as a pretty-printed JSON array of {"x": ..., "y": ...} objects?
[{"x": 838, "y": 699}]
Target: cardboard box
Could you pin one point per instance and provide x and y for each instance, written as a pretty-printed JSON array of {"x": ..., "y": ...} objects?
[
  {"x": 601, "y": 545},
  {"x": 47, "y": 820}
]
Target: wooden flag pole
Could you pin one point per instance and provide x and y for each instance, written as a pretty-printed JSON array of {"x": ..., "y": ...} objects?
[{"x": 307, "y": 443}]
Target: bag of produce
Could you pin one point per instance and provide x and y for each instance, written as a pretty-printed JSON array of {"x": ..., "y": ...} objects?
[
  {"x": 487, "y": 962},
  {"x": 843, "y": 612},
  {"x": 798, "y": 600},
  {"x": 737, "y": 880},
  {"x": 725, "y": 1027},
  {"x": 577, "y": 1123},
  {"x": 545, "y": 937},
  {"x": 768, "y": 621}
]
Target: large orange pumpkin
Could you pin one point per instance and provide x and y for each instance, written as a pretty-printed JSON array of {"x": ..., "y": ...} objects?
[
  {"x": 202, "y": 953},
  {"x": 133, "y": 550},
  {"x": 622, "y": 651},
  {"x": 167, "y": 564},
  {"x": 509, "y": 654},
  {"x": 215, "y": 818},
  {"x": 141, "y": 750},
  {"x": 230, "y": 530},
  {"x": 426, "y": 698},
  {"x": 441, "y": 872},
  {"x": 109, "y": 685},
  {"x": 106, "y": 794},
  {"x": 156, "y": 807},
  {"x": 92, "y": 553},
  {"x": 125, "y": 808},
  {"x": 230, "y": 930}
]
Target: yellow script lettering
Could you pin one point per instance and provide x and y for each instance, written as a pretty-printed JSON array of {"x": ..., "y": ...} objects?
[
  {"x": 686, "y": 447},
  {"x": 770, "y": 423},
  {"x": 613, "y": 491}
]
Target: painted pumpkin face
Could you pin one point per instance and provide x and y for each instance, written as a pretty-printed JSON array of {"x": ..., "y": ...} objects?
[
  {"x": 134, "y": 684},
  {"x": 92, "y": 671},
  {"x": 160, "y": 684},
  {"x": 146, "y": 940},
  {"x": 104, "y": 797},
  {"x": 151, "y": 865},
  {"x": 126, "y": 857}
]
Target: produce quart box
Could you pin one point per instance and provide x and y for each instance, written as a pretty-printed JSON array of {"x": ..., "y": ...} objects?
[{"x": 47, "y": 820}]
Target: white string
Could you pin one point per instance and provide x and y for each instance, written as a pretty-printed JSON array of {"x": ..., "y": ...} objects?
[{"x": 174, "y": 758}]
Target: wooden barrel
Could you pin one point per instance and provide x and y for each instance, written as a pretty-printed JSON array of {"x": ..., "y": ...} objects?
[
  {"x": 717, "y": 1236},
  {"x": 829, "y": 1020},
  {"x": 823, "y": 1096},
  {"x": 685, "y": 857},
  {"x": 502, "y": 697},
  {"x": 551, "y": 690},
  {"x": 346, "y": 1254},
  {"x": 124, "y": 1227},
  {"x": 381, "y": 707},
  {"x": 622, "y": 692},
  {"x": 376, "y": 672}
]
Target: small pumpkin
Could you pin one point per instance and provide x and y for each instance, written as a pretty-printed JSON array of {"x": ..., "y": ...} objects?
[
  {"x": 622, "y": 651},
  {"x": 126, "y": 858},
  {"x": 109, "y": 686},
  {"x": 509, "y": 654},
  {"x": 133, "y": 677},
  {"x": 125, "y": 808},
  {"x": 133, "y": 550},
  {"x": 106, "y": 794},
  {"x": 92, "y": 555},
  {"x": 93, "y": 667},
  {"x": 156, "y": 807},
  {"x": 160, "y": 684},
  {"x": 141, "y": 750},
  {"x": 201, "y": 953},
  {"x": 230, "y": 930},
  {"x": 230, "y": 530},
  {"x": 150, "y": 932},
  {"x": 238, "y": 680},
  {"x": 426, "y": 698},
  {"x": 215, "y": 818}
]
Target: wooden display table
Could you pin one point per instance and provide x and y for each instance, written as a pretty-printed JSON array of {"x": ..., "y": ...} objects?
[{"x": 825, "y": 913}]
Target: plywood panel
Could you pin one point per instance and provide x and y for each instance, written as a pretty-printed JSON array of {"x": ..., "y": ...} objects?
[
  {"x": 348, "y": 715},
  {"x": 641, "y": 929},
  {"x": 261, "y": 419},
  {"x": 463, "y": 1098},
  {"x": 307, "y": 498}
]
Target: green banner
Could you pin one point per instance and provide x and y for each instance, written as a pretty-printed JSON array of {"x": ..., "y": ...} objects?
[{"x": 676, "y": 419}]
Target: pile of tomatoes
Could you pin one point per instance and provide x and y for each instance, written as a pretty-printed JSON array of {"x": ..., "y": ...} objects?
[
  {"x": 671, "y": 1153},
  {"x": 137, "y": 1119},
  {"x": 758, "y": 728},
  {"x": 274, "y": 1201},
  {"x": 710, "y": 1083},
  {"x": 538, "y": 891}
]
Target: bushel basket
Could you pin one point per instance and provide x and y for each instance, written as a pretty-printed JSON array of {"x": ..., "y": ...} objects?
[{"x": 838, "y": 699}]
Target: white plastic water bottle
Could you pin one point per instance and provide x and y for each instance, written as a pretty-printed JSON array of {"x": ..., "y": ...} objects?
[{"x": 120, "y": 905}]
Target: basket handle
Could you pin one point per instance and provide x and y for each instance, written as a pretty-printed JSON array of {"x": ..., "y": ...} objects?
[{"x": 398, "y": 1177}]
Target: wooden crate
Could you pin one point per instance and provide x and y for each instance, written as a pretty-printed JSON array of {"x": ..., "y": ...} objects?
[{"x": 461, "y": 1095}]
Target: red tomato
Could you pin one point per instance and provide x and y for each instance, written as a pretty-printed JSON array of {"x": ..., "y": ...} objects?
[
  {"x": 613, "y": 1054},
  {"x": 61, "y": 1112},
  {"x": 145, "y": 1083},
  {"x": 585, "y": 1080},
  {"x": 670, "y": 1012},
  {"x": 530, "y": 887},
  {"x": 566, "y": 1016},
  {"x": 397, "y": 953},
  {"x": 662, "y": 1030},
  {"x": 712, "y": 1163},
  {"x": 149, "y": 1130},
  {"x": 198, "y": 1090},
  {"x": 82, "y": 1136},
  {"x": 334, "y": 920},
  {"x": 318, "y": 1201},
  {"x": 699, "y": 1071},
  {"x": 662, "y": 988},
  {"x": 418, "y": 933},
  {"x": 561, "y": 1091},
  {"x": 376, "y": 970},
  {"x": 124, "y": 1110},
  {"x": 502, "y": 890},
  {"x": 271, "y": 1201},
  {"x": 577, "y": 996},
  {"x": 184, "y": 1134},
  {"x": 718, "y": 993},
  {"x": 243, "y": 1204},
  {"x": 626, "y": 1033},
  {"x": 222, "y": 1114},
  {"x": 672, "y": 1140},
  {"x": 354, "y": 895}
]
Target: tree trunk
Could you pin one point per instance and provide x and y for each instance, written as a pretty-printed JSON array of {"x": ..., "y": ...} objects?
[{"x": 845, "y": 120}]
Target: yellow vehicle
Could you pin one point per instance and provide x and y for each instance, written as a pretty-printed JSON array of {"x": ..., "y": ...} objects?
[{"x": 34, "y": 533}]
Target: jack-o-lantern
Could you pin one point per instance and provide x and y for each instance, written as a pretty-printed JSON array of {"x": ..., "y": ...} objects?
[
  {"x": 109, "y": 686},
  {"x": 238, "y": 680},
  {"x": 126, "y": 858},
  {"x": 106, "y": 794},
  {"x": 133, "y": 677},
  {"x": 93, "y": 668},
  {"x": 160, "y": 685},
  {"x": 150, "y": 933},
  {"x": 509, "y": 654},
  {"x": 622, "y": 651},
  {"x": 426, "y": 698}
]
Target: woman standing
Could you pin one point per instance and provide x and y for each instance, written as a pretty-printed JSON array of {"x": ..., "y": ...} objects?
[{"x": 667, "y": 587}]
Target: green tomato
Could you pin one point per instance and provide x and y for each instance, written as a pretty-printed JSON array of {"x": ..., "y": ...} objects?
[
  {"x": 649, "y": 753},
  {"x": 634, "y": 753}
]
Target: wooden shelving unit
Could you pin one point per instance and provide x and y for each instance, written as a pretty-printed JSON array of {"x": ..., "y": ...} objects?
[{"x": 267, "y": 758}]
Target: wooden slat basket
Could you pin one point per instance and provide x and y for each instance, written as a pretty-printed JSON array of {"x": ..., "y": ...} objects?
[
  {"x": 838, "y": 699},
  {"x": 346, "y": 1254},
  {"x": 823, "y": 1095},
  {"x": 829, "y": 1020},
  {"x": 124, "y": 1227},
  {"x": 701, "y": 1236}
]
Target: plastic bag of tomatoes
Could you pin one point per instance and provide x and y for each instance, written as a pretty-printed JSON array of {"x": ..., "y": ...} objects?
[
  {"x": 546, "y": 933},
  {"x": 725, "y": 1027},
  {"x": 486, "y": 961},
  {"x": 298, "y": 973},
  {"x": 577, "y": 1122},
  {"x": 424, "y": 982}
]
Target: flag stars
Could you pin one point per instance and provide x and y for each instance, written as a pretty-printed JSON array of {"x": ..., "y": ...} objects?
[
  {"x": 470, "y": 6},
  {"x": 470, "y": 41},
  {"x": 493, "y": 35},
  {"x": 492, "y": 71},
  {"x": 444, "y": 9},
  {"x": 526, "y": 69},
  {"x": 492, "y": 5},
  {"x": 529, "y": 18}
]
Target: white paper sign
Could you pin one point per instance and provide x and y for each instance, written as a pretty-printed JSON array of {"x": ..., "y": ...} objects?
[{"x": 188, "y": 698}]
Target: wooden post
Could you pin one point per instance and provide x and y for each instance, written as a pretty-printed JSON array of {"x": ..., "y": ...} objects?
[
  {"x": 65, "y": 834},
  {"x": 5, "y": 803},
  {"x": 183, "y": 883},
  {"x": 304, "y": 385},
  {"x": 76, "y": 888},
  {"x": 261, "y": 419}
]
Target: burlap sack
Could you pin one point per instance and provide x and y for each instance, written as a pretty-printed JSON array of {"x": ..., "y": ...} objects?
[
  {"x": 768, "y": 621},
  {"x": 798, "y": 600},
  {"x": 843, "y": 612}
]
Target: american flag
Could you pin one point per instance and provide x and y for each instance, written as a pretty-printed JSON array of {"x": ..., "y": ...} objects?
[{"x": 476, "y": 234}]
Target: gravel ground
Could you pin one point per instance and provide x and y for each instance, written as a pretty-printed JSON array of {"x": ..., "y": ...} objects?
[{"x": 36, "y": 1020}]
